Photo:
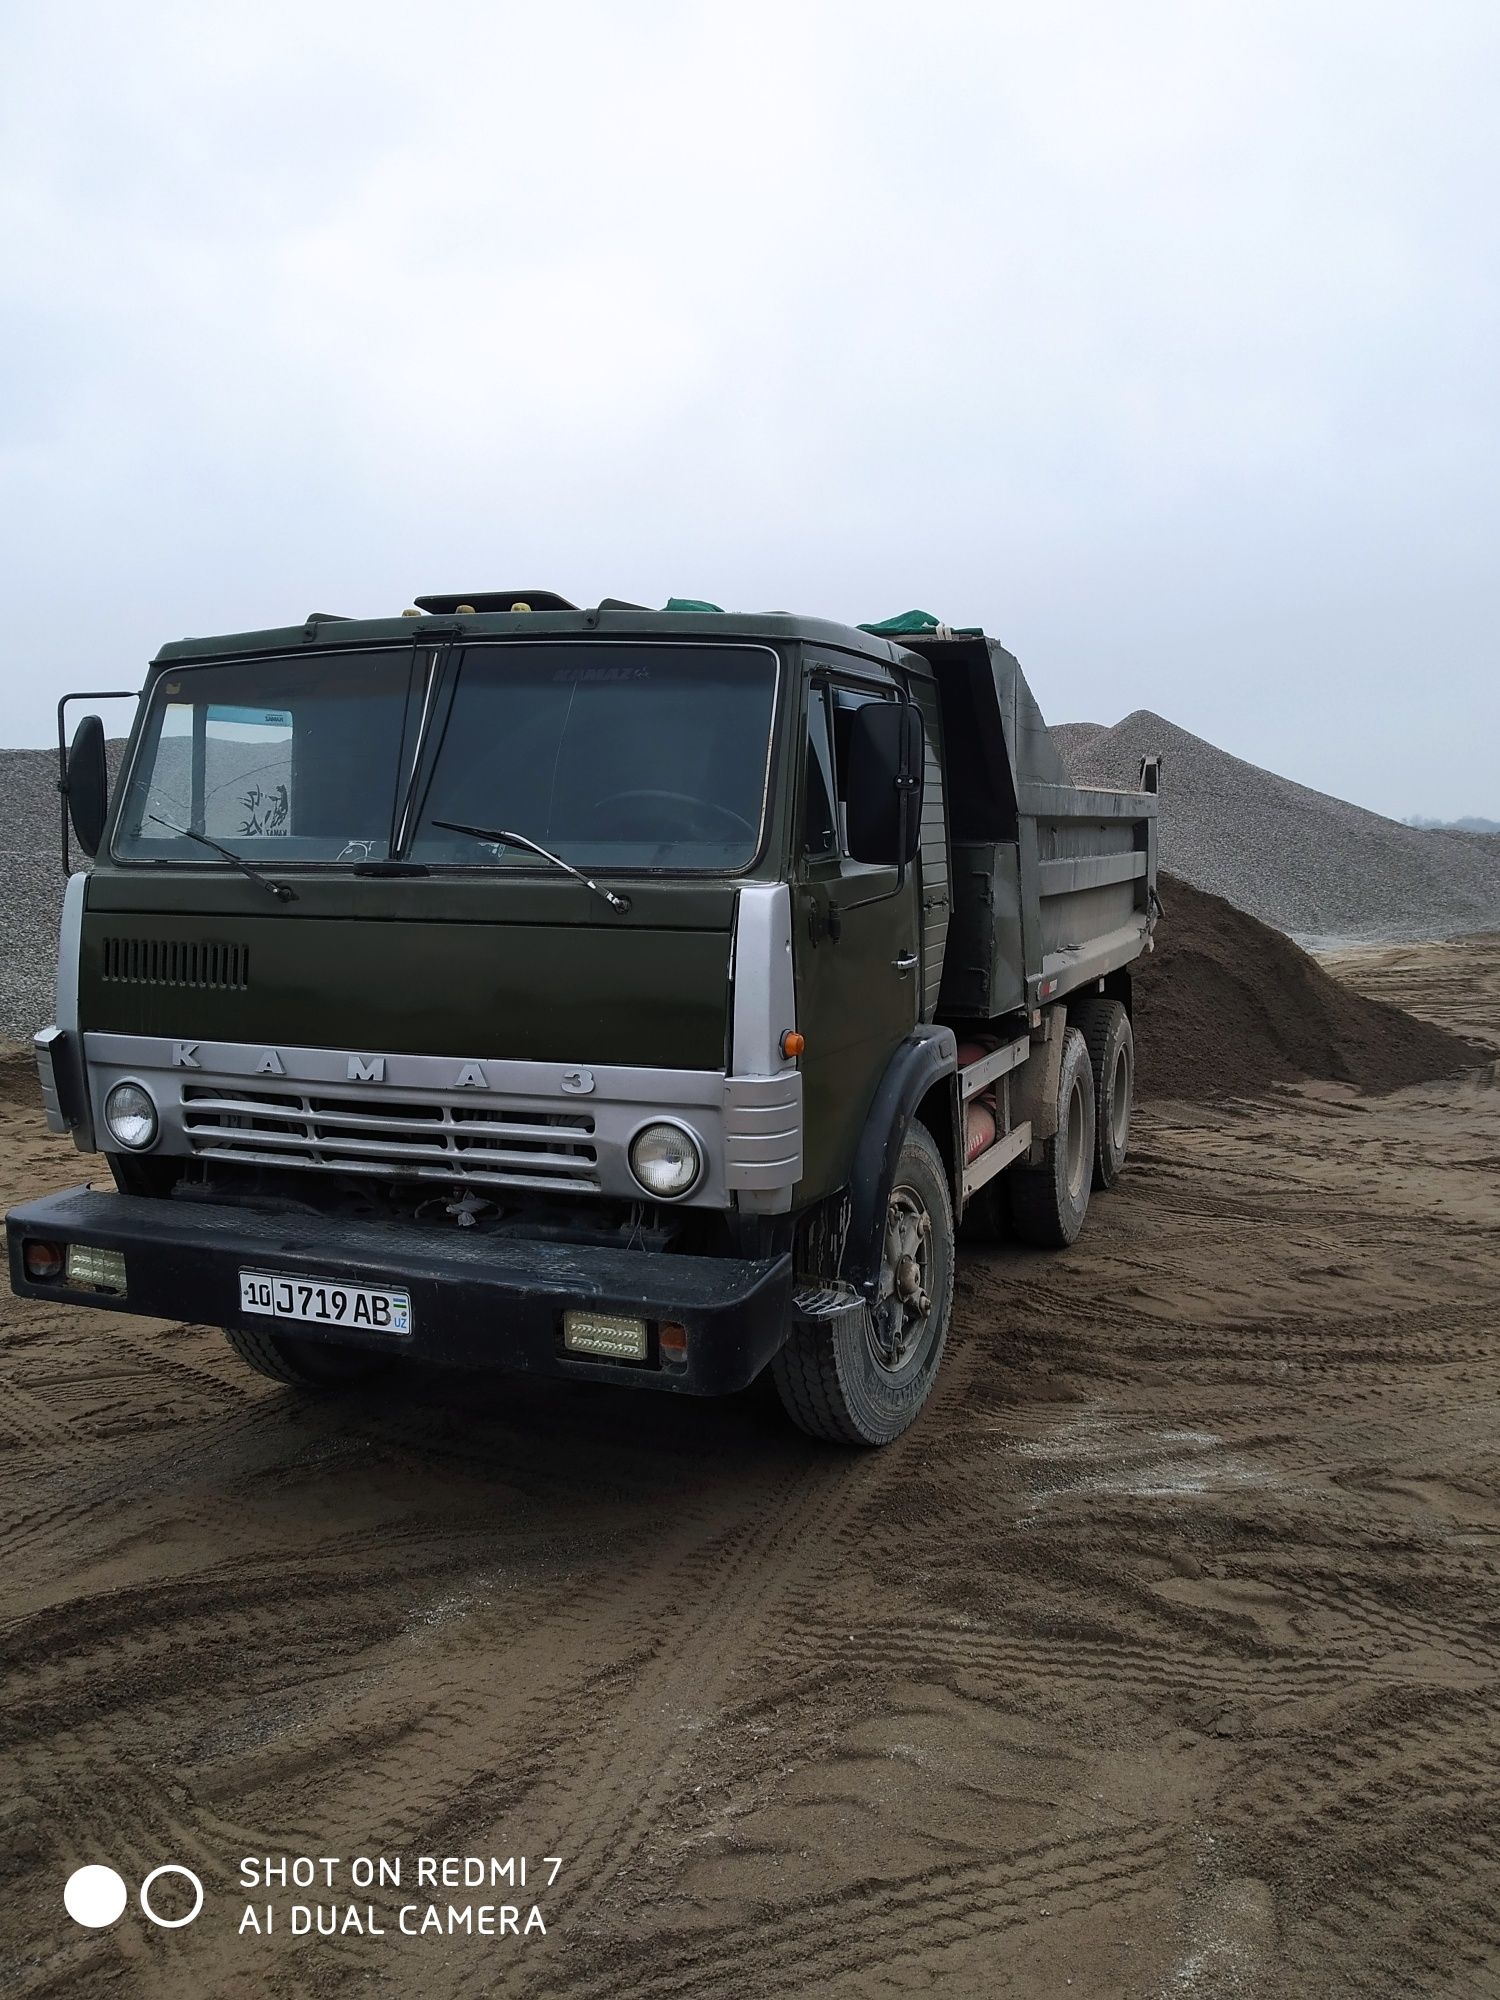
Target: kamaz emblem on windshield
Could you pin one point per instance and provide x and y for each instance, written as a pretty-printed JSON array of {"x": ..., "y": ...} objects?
[{"x": 602, "y": 674}]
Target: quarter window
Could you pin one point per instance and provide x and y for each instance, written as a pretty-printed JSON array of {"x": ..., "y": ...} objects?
[
  {"x": 820, "y": 827},
  {"x": 830, "y": 711}
]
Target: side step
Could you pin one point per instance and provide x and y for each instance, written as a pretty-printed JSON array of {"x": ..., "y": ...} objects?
[{"x": 825, "y": 1301}]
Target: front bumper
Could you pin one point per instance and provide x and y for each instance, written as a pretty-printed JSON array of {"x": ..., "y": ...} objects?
[{"x": 476, "y": 1299}]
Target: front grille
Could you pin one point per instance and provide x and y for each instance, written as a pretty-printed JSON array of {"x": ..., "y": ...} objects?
[
  {"x": 394, "y": 1137},
  {"x": 148, "y": 961}
]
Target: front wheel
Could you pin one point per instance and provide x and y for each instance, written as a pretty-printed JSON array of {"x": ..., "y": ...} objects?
[
  {"x": 862, "y": 1376},
  {"x": 303, "y": 1364}
]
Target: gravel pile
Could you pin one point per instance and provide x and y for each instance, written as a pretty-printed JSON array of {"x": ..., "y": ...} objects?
[
  {"x": 31, "y": 886},
  {"x": 1314, "y": 866},
  {"x": 31, "y": 889},
  {"x": 1323, "y": 870},
  {"x": 1226, "y": 1005}
]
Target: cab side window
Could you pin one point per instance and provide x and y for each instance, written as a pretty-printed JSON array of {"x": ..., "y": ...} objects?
[
  {"x": 820, "y": 822},
  {"x": 846, "y": 702},
  {"x": 830, "y": 712}
]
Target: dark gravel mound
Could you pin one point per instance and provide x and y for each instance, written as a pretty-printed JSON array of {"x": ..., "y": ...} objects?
[
  {"x": 1324, "y": 870},
  {"x": 1226, "y": 1005}
]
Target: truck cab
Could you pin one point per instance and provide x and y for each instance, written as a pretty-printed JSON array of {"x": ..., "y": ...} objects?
[{"x": 640, "y": 996}]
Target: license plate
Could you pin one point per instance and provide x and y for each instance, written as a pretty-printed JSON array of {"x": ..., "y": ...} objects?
[{"x": 325, "y": 1302}]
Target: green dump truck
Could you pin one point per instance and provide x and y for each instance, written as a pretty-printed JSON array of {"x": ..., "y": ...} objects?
[{"x": 643, "y": 997}]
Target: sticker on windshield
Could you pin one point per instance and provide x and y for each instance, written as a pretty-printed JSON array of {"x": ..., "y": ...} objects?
[
  {"x": 255, "y": 718},
  {"x": 601, "y": 674}
]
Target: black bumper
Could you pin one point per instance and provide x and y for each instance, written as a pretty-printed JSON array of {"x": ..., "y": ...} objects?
[{"x": 476, "y": 1299}]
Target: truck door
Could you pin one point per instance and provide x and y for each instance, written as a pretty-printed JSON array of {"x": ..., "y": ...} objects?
[{"x": 856, "y": 948}]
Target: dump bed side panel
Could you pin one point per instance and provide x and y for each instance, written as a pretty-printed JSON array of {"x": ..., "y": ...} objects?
[
  {"x": 1052, "y": 884},
  {"x": 1088, "y": 885}
]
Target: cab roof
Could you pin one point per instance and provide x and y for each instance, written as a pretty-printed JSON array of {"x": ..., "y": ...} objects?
[{"x": 549, "y": 617}]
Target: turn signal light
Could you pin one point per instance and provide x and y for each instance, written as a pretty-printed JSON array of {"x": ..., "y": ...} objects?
[
  {"x": 42, "y": 1261},
  {"x": 673, "y": 1345},
  {"x": 792, "y": 1044}
]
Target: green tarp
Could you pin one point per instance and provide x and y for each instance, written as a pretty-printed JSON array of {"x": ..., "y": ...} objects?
[{"x": 919, "y": 621}]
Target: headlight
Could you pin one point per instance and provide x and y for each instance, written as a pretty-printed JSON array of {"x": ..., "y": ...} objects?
[
  {"x": 131, "y": 1116},
  {"x": 666, "y": 1160}
]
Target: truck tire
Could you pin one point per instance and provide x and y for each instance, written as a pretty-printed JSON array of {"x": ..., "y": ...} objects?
[
  {"x": 862, "y": 1376},
  {"x": 1105, "y": 1026},
  {"x": 1048, "y": 1202},
  {"x": 303, "y": 1364}
]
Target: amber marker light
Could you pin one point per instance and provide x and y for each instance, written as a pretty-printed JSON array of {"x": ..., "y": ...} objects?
[
  {"x": 41, "y": 1262},
  {"x": 792, "y": 1044},
  {"x": 671, "y": 1338}
]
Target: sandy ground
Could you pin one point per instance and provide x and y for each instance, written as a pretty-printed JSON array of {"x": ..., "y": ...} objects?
[{"x": 1159, "y": 1660}]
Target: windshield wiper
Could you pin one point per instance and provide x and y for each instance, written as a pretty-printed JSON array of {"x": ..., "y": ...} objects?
[
  {"x": 502, "y": 838},
  {"x": 280, "y": 890}
]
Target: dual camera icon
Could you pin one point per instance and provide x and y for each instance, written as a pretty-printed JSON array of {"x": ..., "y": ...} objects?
[{"x": 96, "y": 1896}]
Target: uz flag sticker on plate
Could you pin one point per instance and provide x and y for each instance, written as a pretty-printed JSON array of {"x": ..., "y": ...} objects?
[{"x": 325, "y": 1302}]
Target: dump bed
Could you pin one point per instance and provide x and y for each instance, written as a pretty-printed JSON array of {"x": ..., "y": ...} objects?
[{"x": 1052, "y": 885}]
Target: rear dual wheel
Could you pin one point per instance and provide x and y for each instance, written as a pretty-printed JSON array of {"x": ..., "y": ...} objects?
[
  {"x": 1095, "y": 1096},
  {"x": 1105, "y": 1027},
  {"x": 1049, "y": 1201}
]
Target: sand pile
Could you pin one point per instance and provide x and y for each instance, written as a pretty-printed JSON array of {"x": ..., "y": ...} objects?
[
  {"x": 18, "y": 1085},
  {"x": 1315, "y": 866},
  {"x": 1227, "y": 1005}
]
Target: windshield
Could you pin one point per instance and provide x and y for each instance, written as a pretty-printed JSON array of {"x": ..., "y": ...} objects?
[
  {"x": 614, "y": 756},
  {"x": 282, "y": 760}
]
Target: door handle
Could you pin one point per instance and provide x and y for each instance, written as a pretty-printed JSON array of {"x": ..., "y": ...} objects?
[{"x": 906, "y": 962}]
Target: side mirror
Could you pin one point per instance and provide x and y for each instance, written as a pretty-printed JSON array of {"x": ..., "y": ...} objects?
[
  {"x": 88, "y": 783},
  {"x": 885, "y": 783}
]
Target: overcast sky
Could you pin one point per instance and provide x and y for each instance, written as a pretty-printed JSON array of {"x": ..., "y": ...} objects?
[{"x": 1160, "y": 339}]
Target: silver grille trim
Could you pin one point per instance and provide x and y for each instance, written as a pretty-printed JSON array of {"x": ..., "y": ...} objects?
[
  {"x": 763, "y": 1130},
  {"x": 351, "y": 1136},
  {"x": 511, "y": 1124},
  {"x": 48, "y": 1044},
  {"x": 70, "y": 1063}
]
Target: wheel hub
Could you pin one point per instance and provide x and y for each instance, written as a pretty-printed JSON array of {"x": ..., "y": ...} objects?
[
  {"x": 900, "y": 1318},
  {"x": 909, "y": 1285}
]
